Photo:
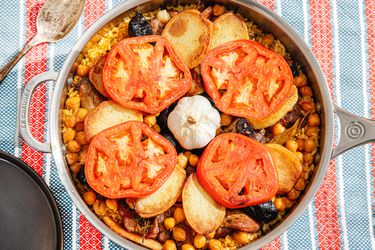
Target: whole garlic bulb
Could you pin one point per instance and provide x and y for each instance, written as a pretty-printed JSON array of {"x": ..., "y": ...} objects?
[{"x": 194, "y": 122}]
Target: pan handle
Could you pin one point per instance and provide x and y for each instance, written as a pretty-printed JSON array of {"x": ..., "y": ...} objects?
[
  {"x": 24, "y": 111},
  {"x": 354, "y": 131}
]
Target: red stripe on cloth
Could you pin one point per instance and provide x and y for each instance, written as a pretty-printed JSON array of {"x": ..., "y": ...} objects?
[
  {"x": 89, "y": 237},
  {"x": 326, "y": 198},
  {"x": 36, "y": 63},
  {"x": 270, "y": 4},
  {"x": 370, "y": 18}
]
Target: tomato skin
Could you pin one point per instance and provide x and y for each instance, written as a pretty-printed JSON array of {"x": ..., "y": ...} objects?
[
  {"x": 257, "y": 71},
  {"x": 227, "y": 168},
  {"x": 133, "y": 84},
  {"x": 127, "y": 177}
]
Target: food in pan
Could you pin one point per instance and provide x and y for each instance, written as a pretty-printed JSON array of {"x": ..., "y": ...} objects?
[{"x": 189, "y": 128}]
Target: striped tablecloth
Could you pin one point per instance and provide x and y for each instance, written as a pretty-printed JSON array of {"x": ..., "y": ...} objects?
[{"x": 341, "y": 33}]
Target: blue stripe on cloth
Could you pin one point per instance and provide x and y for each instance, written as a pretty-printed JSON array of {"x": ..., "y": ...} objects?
[
  {"x": 299, "y": 234},
  {"x": 350, "y": 94},
  {"x": 9, "y": 44}
]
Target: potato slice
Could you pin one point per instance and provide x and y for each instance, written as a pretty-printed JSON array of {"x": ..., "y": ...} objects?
[
  {"x": 190, "y": 35},
  {"x": 108, "y": 114},
  {"x": 226, "y": 28},
  {"x": 273, "y": 118},
  {"x": 202, "y": 212},
  {"x": 163, "y": 198},
  {"x": 96, "y": 75},
  {"x": 288, "y": 166},
  {"x": 149, "y": 243}
]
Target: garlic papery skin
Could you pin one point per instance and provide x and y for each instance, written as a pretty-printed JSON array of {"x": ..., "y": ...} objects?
[{"x": 194, "y": 122}]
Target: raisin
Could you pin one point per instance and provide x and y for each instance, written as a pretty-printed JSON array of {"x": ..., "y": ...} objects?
[
  {"x": 139, "y": 26},
  {"x": 294, "y": 68},
  {"x": 243, "y": 127},
  {"x": 81, "y": 176}
]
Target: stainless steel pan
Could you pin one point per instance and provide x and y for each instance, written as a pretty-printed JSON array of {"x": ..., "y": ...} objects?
[{"x": 354, "y": 130}]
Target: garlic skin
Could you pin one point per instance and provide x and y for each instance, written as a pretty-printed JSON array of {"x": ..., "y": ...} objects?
[{"x": 194, "y": 122}]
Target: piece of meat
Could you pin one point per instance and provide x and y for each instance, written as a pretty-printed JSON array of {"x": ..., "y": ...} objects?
[
  {"x": 154, "y": 230},
  {"x": 90, "y": 97},
  {"x": 127, "y": 218},
  {"x": 221, "y": 232},
  {"x": 240, "y": 221},
  {"x": 207, "y": 13},
  {"x": 157, "y": 26},
  {"x": 291, "y": 117},
  {"x": 164, "y": 236}
]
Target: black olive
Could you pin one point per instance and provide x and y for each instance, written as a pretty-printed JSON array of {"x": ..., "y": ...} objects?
[
  {"x": 265, "y": 212},
  {"x": 198, "y": 151},
  {"x": 243, "y": 127},
  {"x": 294, "y": 68},
  {"x": 169, "y": 136},
  {"x": 162, "y": 119},
  {"x": 81, "y": 176},
  {"x": 139, "y": 26}
]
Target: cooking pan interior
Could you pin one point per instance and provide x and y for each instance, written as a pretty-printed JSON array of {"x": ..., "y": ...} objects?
[{"x": 266, "y": 21}]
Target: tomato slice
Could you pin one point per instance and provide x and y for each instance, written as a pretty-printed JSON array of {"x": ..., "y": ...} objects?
[
  {"x": 237, "y": 171},
  {"x": 144, "y": 73},
  {"x": 246, "y": 79},
  {"x": 129, "y": 160}
]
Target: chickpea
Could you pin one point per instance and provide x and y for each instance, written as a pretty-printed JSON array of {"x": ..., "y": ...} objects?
[
  {"x": 73, "y": 146},
  {"x": 306, "y": 91},
  {"x": 111, "y": 204},
  {"x": 156, "y": 128},
  {"x": 81, "y": 138},
  {"x": 80, "y": 126},
  {"x": 280, "y": 204},
  {"x": 226, "y": 120},
  {"x": 199, "y": 241},
  {"x": 288, "y": 202},
  {"x": 307, "y": 158},
  {"x": 179, "y": 215},
  {"x": 187, "y": 154},
  {"x": 292, "y": 145},
  {"x": 82, "y": 70},
  {"x": 70, "y": 121},
  {"x": 82, "y": 157},
  {"x": 169, "y": 223},
  {"x": 300, "y": 185},
  {"x": 215, "y": 244},
  {"x": 181, "y": 160},
  {"x": 301, "y": 145},
  {"x": 241, "y": 238},
  {"x": 193, "y": 160},
  {"x": 218, "y": 10},
  {"x": 187, "y": 247},
  {"x": 314, "y": 120},
  {"x": 300, "y": 80},
  {"x": 210, "y": 235},
  {"x": 89, "y": 197},
  {"x": 100, "y": 208},
  {"x": 305, "y": 175},
  {"x": 278, "y": 129},
  {"x": 75, "y": 168},
  {"x": 309, "y": 145},
  {"x": 71, "y": 158},
  {"x": 150, "y": 120},
  {"x": 308, "y": 106},
  {"x": 268, "y": 40},
  {"x": 81, "y": 114},
  {"x": 73, "y": 102},
  {"x": 293, "y": 194},
  {"x": 69, "y": 135},
  {"x": 300, "y": 156},
  {"x": 312, "y": 132},
  {"x": 169, "y": 245},
  {"x": 179, "y": 234}
]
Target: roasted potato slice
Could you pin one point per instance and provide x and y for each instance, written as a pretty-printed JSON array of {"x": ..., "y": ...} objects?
[
  {"x": 149, "y": 243},
  {"x": 277, "y": 115},
  {"x": 108, "y": 114},
  {"x": 190, "y": 34},
  {"x": 226, "y": 28},
  {"x": 202, "y": 212},
  {"x": 163, "y": 198},
  {"x": 96, "y": 75},
  {"x": 288, "y": 166}
]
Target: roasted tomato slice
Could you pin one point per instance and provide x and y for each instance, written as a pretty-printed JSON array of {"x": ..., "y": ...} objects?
[
  {"x": 129, "y": 160},
  {"x": 144, "y": 73},
  {"x": 237, "y": 171},
  {"x": 245, "y": 79}
]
